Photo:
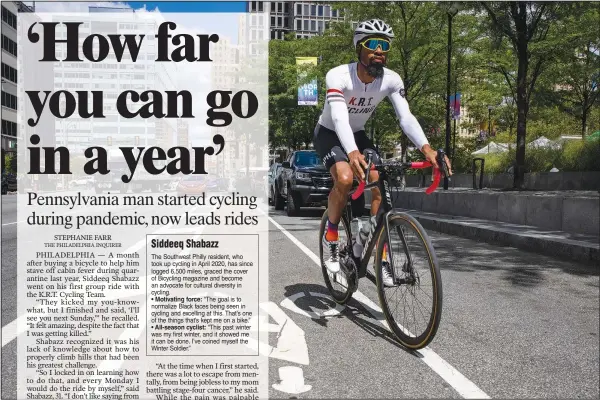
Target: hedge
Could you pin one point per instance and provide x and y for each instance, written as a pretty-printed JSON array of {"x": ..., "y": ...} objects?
[{"x": 576, "y": 155}]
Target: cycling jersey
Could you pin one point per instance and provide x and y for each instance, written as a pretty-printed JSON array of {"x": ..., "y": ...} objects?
[{"x": 350, "y": 102}]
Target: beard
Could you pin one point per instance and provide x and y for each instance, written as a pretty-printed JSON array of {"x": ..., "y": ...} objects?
[{"x": 375, "y": 69}]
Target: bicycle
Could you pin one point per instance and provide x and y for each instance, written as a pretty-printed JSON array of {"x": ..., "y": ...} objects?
[{"x": 354, "y": 267}]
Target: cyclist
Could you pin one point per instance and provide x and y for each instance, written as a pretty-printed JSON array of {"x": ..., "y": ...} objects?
[{"x": 353, "y": 92}]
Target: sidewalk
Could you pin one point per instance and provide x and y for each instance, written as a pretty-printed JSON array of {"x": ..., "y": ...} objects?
[
  {"x": 570, "y": 246},
  {"x": 563, "y": 224}
]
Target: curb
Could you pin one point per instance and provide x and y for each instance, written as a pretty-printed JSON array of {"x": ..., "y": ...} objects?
[{"x": 566, "y": 249}]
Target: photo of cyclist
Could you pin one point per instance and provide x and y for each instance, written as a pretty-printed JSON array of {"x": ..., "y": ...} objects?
[{"x": 353, "y": 92}]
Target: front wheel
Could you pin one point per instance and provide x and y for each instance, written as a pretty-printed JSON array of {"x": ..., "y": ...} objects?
[
  {"x": 293, "y": 203},
  {"x": 278, "y": 200},
  {"x": 416, "y": 293}
]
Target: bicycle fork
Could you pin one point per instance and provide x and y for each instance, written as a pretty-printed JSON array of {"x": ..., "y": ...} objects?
[{"x": 407, "y": 267}]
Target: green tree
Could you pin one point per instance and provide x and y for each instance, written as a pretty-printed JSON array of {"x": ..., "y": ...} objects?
[
  {"x": 574, "y": 79},
  {"x": 10, "y": 163},
  {"x": 527, "y": 26}
]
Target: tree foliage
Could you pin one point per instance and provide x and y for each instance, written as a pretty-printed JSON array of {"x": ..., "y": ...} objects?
[{"x": 534, "y": 63}]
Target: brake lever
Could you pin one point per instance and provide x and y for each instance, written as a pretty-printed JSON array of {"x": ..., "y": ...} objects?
[
  {"x": 369, "y": 164},
  {"x": 441, "y": 160},
  {"x": 361, "y": 185}
]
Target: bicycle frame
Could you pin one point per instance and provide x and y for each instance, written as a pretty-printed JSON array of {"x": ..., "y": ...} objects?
[{"x": 383, "y": 183}]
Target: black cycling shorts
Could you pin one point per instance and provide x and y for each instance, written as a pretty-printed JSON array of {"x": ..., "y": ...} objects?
[{"x": 330, "y": 149}]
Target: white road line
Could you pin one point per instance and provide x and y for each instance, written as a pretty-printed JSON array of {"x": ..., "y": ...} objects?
[{"x": 447, "y": 372}]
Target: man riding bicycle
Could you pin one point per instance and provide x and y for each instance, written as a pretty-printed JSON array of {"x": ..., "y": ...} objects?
[{"x": 353, "y": 92}]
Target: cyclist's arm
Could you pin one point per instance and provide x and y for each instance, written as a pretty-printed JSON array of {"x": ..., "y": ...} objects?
[
  {"x": 408, "y": 122},
  {"x": 339, "y": 111}
]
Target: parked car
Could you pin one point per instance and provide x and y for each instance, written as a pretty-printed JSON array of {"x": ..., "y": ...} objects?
[
  {"x": 274, "y": 180},
  {"x": 304, "y": 182},
  {"x": 82, "y": 183},
  {"x": 192, "y": 185},
  {"x": 9, "y": 183}
]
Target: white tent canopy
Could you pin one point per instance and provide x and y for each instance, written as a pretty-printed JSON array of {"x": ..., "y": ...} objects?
[
  {"x": 492, "y": 147},
  {"x": 543, "y": 142}
]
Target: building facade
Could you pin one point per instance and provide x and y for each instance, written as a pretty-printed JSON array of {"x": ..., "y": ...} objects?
[
  {"x": 305, "y": 19},
  {"x": 11, "y": 131},
  {"x": 112, "y": 77}
]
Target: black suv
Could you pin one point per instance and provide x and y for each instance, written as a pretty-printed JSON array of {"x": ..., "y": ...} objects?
[
  {"x": 9, "y": 183},
  {"x": 304, "y": 181}
]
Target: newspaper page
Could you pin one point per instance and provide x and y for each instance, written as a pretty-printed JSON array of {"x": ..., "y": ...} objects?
[{"x": 143, "y": 258}]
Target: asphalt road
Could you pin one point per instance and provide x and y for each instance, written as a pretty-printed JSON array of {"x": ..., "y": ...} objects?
[{"x": 514, "y": 324}]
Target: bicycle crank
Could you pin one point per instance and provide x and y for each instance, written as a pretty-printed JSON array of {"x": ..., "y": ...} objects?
[{"x": 349, "y": 268}]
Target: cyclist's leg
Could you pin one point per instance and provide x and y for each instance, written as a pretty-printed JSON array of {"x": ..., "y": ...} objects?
[
  {"x": 329, "y": 148},
  {"x": 365, "y": 144}
]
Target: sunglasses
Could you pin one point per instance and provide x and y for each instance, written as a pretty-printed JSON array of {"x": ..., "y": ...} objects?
[{"x": 373, "y": 44}]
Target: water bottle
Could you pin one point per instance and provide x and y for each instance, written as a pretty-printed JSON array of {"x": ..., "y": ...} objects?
[
  {"x": 366, "y": 228},
  {"x": 357, "y": 247}
]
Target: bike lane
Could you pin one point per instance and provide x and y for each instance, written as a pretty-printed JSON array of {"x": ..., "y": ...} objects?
[
  {"x": 348, "y": 351},
  {"x": 514, "y": 324}
]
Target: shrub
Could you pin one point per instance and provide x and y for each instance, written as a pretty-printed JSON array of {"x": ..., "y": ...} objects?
[
  {"x": 577, "y": 155},
  {"x": 580, "y": 155}
]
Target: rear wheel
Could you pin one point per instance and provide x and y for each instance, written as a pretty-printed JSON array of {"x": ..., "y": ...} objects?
[
  {"x": 340, "y": 284},
  {"x": 413, "y": 307}
]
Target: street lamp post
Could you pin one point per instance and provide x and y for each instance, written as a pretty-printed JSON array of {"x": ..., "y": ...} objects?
[
  {"x": 452, "y": 10},
  {"x": 489, "y": 121}
]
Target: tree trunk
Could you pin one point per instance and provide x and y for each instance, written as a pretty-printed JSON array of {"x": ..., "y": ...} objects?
[
  {"x": 584, "y": 116},
  {"x": 522, "y": 108}
]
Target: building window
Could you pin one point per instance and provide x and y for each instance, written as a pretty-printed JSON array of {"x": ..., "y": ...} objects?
[
  {"x": 9, "y": 73},
  {"x": 286, "y": 23},
  {"x": 327, "y": 11},
  {"x": 9, "y": 100},
  {"x": 9, "y": 45},
  {"x": 313, "y": 10},
  {"x": 8, "y": 127},
  {"x": 287, "y": 8},
  {"x": 313, "y": 25},
  {"x": 334, "y": 13},
  {"x": 298, "y": 9},
  {"x": 298, "y": 25},
  {"x": 320, "y": 11},
  {"x": 279, "y": 21},
  {"x": 306, "y": 24},
  {"x": 272, "y": 21},
  {"x": 9, "y": 18},
  {"x": 320, "y": 23},
  {"x": 306, "y": 9},
  {"x": 279, "y": 7},
  {"x": 260, "y": 6}
]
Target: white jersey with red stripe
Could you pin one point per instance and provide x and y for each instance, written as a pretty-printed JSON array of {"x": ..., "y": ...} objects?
[{"x": 350, "y": 102}]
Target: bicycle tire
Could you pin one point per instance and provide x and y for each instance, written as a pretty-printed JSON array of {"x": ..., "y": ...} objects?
[
  {"x": 340, "y": 297},
  {"x": 423, "y": 339}
]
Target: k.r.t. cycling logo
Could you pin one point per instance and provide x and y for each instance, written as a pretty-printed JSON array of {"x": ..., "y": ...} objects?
[{"x": 365, "y": 108}]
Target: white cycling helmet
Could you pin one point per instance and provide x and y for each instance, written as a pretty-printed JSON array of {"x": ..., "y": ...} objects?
[{"x": 372, "y": 27}]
